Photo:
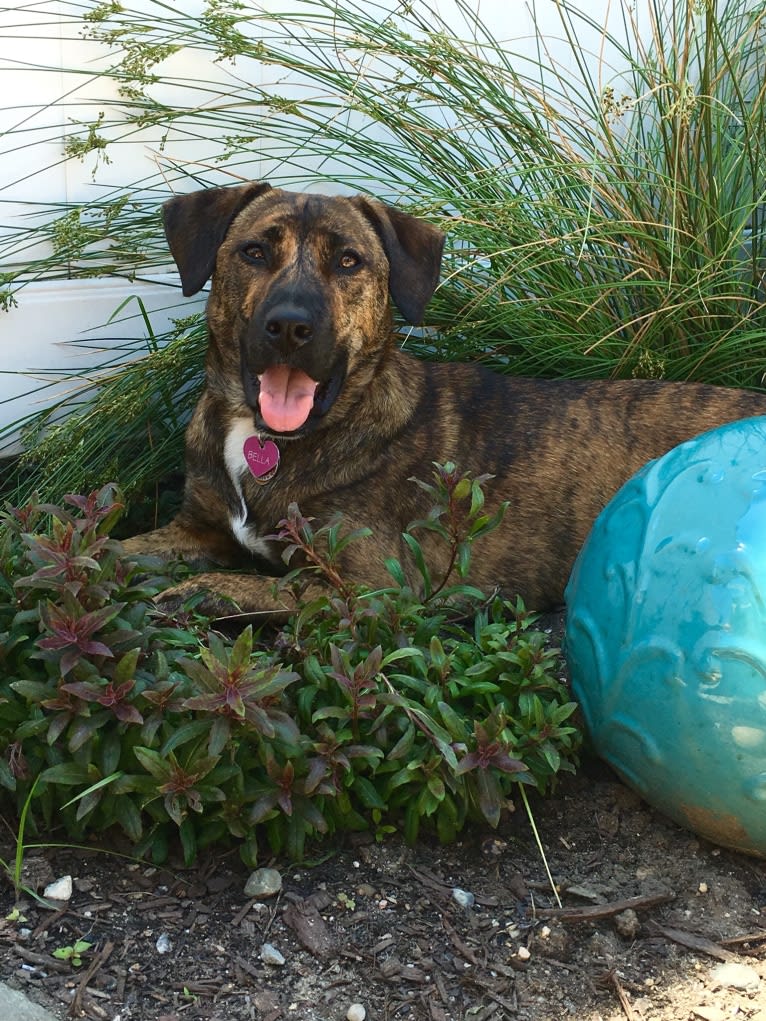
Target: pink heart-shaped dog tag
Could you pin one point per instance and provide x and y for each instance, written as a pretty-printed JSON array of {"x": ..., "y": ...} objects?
[{"x": 262, "y": 458}]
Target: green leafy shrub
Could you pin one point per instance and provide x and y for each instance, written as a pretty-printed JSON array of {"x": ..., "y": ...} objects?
[{"x": 366, "y": 710}]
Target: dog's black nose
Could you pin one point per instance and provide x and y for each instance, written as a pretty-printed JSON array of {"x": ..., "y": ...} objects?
[{"x": 289, "y": 326}]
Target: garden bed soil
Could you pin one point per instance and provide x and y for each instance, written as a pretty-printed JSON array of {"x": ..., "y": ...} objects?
[
  {"x": 379, "y": 925},
  {"x": 469, "y": 932}
]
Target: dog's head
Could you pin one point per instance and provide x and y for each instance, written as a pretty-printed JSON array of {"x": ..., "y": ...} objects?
[{"x": 300, "y": 297}]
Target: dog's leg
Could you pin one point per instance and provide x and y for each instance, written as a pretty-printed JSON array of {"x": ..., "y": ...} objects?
[
  {"x": 201, "y": 549},
  {"x": 170, "y": 542},
  {"x": 219, "y": 593},
  {"x": 224, "y": 594}
]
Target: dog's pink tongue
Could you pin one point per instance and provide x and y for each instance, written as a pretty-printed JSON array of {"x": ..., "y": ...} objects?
[{"x": 287, "y": 397}]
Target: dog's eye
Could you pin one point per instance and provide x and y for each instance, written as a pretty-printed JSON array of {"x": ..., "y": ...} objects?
[
  {"x": 253, "y": 252},
  {"x": 349, "y": 260}
]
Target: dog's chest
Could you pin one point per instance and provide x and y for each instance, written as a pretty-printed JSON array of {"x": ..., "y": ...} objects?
[{"x": 240, "y": 431}]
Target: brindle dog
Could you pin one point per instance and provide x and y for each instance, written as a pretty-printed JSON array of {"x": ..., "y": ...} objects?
[{"x": 308, "y": 399}]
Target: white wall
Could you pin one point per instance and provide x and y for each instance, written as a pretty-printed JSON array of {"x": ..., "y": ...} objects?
[{"x": 60, "y": 325}]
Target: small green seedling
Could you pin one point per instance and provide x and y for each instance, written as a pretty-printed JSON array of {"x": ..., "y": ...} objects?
[{"x": 74, "y": 953}]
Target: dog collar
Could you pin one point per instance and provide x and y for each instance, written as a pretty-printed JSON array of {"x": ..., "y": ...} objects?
[{"x": 261, "y": 458}]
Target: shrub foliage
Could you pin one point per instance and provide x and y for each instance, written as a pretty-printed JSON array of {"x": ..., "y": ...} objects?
[{"x": 366, "y": 710}]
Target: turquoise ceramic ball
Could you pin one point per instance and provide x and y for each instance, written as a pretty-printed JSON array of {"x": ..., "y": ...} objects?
[{"x": 666, "y": 634}]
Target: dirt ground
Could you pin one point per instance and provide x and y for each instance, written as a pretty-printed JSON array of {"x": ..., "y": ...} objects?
[
  {"x": 379, "y": 925},
  {"x": 469, "y": 932}
]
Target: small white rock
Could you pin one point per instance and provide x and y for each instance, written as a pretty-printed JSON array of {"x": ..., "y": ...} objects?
[
  {"x": 356, "y": 1012},
  {"x": 270, "y": 955},
  {"x": 702, "y": 888},
  {"x": 163, "y": 944},
  {"x": 523, "y": 954},
  {"x": 463, "y": 897},
  {"x": 738, "y": 976},
  {"x": 705, "y": 1013},
  {"x": 60, "y": 889},
  {"x": 263, "y": 883}
]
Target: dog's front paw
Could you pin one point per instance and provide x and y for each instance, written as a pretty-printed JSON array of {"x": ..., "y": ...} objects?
[{"x": 192, "y": 597}]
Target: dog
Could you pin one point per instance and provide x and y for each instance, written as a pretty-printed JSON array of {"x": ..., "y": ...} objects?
[{"x": 308, "y": 399}]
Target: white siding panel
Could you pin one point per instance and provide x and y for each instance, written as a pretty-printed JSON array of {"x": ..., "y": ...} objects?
[
  {"x": 62, "y": 326},
  {"x": 45, "y": 333}
]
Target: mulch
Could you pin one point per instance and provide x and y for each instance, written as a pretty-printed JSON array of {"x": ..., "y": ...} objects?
[{"x": 646, "y": 908}]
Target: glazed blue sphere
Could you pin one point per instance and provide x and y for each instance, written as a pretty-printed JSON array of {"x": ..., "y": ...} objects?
[{"x": 666, "y": 634}]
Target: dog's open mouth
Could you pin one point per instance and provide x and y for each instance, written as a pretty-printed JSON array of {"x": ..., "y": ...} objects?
[{"x": 288, "y": 397}]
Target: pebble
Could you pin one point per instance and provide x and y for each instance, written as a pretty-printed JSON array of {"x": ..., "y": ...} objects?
[
  {"x": 60, "y": 889},
  {"x": 356, "y": 1012},
  {"x": 163, "y": 944},
  {"x": 463, "y": 897},
  {"x": 705, "y": 1013},
  {"x": 263, "y": 883},
  {"x": 493, "y": 847},
  {"x": 738, "y": 976},
  {"x": 627, "y": 924},
  {"x": 270, "y": 955},
  {"x": 523, "y": 954}
]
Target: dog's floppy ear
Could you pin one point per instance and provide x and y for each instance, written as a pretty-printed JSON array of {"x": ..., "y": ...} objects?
[
  {"x": 414, "y": 250},
  {"x": 196, "y": 224}
]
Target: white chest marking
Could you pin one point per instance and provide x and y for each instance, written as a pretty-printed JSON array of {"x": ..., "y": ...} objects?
[{"x": 236, "y": 466}]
